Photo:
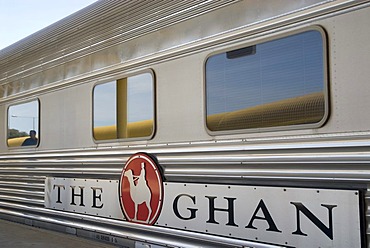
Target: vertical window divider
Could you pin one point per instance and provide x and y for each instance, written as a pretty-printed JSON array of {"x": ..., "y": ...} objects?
[{"x": 122, "y": 110}]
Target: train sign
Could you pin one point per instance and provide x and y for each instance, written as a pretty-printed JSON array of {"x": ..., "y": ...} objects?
[
  {"x": 295, "y": 217},
  {"x": 141, "y": 189},
  {"x": 298, "y": 217}
]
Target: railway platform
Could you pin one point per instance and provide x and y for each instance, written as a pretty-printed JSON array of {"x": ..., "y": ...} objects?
[{"x": 15, "y": 235}]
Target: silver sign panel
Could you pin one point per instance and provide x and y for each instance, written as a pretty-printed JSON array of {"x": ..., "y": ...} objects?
[
  {"x": 88, "y": 196},
  {"x": 285, "y": 216}
]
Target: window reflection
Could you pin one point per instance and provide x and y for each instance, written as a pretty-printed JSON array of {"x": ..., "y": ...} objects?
[
  {"x": 23, "y": 124},
  {"x": 124, "y": 108},
  {"x": 276, "y": 83}
]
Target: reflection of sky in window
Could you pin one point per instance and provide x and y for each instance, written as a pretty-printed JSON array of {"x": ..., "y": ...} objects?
[
  {"x": 105, "y": 104},
  {"x": 24, "y": 117},
  {"x": 140, "y": 100},
  {"x": 280, "y": 69}
]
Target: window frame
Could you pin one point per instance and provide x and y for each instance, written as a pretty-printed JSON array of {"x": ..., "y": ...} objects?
[
  {"x": 115, "y": 79},
  {"x": 244, "y": 43},
  {"x": 38, "y": 124}
]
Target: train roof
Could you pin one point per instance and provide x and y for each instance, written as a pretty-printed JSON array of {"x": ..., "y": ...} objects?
[
  {"x": 100, "y": 25},
  {"x": 102, "y": 21},
  {"x": 32, "y": 62}
]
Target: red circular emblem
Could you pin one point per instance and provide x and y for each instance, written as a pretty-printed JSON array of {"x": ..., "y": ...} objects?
[{"x": 141, "y": 189}]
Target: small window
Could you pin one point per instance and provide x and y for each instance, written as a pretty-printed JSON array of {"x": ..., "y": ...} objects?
[
  {"x": 124, "y": 108},
  {"x": 23, "y": 124},
  {"x": 272, "y": 84}
]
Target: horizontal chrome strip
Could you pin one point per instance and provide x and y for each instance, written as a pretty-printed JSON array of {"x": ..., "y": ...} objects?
[
  {"x": 28, "y": 193},
  {"x": 22, "y": 200},
  {"x": 152, "y": 234},
  {"x": 26, "y": 185}
]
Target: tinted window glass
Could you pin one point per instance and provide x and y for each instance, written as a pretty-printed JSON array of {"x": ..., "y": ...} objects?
[
  {"x": 275, "y": 83},
  {"x": 23, "y": 124},
  {"x": 124, "y": 108}
]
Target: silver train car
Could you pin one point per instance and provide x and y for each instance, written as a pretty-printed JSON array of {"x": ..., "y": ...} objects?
[{"x": 192, "y": 124}]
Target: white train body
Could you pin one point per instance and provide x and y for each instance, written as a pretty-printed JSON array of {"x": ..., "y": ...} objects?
[{"x": 192, "y": 124}]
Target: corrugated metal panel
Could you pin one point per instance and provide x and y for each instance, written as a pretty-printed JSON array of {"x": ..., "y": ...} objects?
[
  {"x": 98, "y": 26},
  {"x": 113, "y": 25},
  {"x": 310, "y": 164}
]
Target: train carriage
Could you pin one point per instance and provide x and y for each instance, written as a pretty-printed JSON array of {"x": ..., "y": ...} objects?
[{"x": 192, "y": 124}]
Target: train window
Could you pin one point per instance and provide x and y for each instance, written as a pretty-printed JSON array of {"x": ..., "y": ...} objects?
[
  {"x": 124, "y": 108},
  {"x": 277, "y": 83},
  {"x": 23, "y": 124}
]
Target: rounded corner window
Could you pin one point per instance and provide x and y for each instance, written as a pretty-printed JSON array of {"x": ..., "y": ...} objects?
[
  {"x": 23, "y": 124},
  {"x": 124, "y": 108},
  {"x": 280, "y": 83}
]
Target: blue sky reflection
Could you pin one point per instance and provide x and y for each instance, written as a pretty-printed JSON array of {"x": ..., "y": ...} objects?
[
  {"x": 140, "y": 100},
  {"x": 280, "y": 69},
  {"x": 24, "y": 117}
]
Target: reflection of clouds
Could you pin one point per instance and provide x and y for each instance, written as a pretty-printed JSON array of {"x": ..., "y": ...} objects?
[
  {"x": 24, "y": 116},
  {"x": 140, "y": 100}
]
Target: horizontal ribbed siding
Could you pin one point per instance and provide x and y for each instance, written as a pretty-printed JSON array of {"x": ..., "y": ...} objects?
[
  {"x": 302, "y": 164},
  {"x": 101, "y": 25}
]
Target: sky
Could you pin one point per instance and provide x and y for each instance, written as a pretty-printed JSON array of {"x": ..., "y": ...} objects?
[{"x": 21, "y": 18}]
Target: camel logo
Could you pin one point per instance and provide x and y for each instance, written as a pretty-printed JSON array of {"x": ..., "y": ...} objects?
[{"x": 141, "y": 189}]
